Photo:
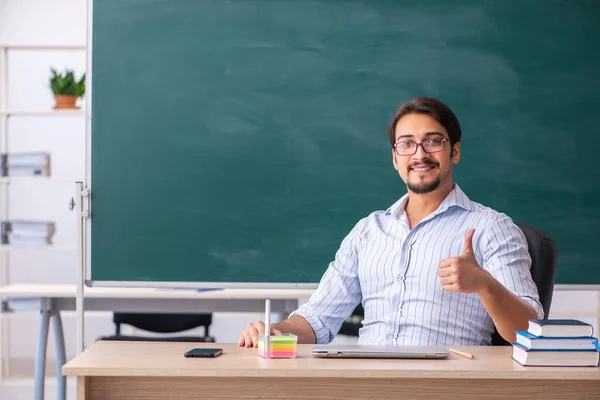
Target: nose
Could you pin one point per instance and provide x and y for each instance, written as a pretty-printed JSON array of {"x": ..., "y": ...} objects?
[{"x": 421, "y": 154}]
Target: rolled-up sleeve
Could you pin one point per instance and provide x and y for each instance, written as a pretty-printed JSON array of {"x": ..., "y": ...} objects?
[
  {"x": 506, "y": 257},
  {"x": 338, "y": 293}
]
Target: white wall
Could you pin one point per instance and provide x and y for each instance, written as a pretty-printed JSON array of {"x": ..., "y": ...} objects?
[
  {"x": 64, "y": 22},
  {"x": 40, "y": 22}
]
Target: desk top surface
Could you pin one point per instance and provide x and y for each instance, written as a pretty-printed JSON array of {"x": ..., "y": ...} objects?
[
  {"x": 166, "y": 359},
  {"x": 69, "y": 291}
]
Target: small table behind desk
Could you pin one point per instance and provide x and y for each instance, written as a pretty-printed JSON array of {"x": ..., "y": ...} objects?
[{"x": 125, "y": 370}]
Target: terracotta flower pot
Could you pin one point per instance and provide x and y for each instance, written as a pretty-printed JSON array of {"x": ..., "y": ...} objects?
[{"x": 65, "y": 102}]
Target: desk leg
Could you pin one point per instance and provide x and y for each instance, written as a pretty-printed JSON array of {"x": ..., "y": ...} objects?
[
  {"x": 40, "y": 355},
  {"x": 61, "y": 358},
  {"x": 83, "y": 388}
]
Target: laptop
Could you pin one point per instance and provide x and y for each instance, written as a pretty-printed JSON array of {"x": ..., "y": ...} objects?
[{"x": 363, "y": 351}]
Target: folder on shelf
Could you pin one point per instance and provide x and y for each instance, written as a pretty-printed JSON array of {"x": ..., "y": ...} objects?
[
  {"x": 24, "y": 164},
  {"x": 27, "y": 233}
]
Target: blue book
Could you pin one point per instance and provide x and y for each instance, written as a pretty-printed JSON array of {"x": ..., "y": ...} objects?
[
  {"x": 560, "y": 328},
  {"x": 532, "y": 342}
]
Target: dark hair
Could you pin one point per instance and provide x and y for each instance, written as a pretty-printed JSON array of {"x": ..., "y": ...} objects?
[{"x": 432, "y": 107}]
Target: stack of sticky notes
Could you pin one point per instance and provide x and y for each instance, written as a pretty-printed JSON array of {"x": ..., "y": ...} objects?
[
  {"x": 557, "y": 342},
  {"x": 281, "y": 346}
]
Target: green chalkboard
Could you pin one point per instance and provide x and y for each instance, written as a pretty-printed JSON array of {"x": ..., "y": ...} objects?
[{"x": 241, "y": 140}]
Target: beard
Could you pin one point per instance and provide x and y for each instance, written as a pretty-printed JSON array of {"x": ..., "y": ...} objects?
[{"x": 424, "y": 187}]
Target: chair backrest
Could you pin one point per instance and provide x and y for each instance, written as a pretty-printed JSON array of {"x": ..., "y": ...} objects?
[
  {"x": 544, "y": 256},
  {"x": 163, "y": 323}
]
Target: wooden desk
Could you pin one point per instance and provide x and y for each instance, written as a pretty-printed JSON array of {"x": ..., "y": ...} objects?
[
  {"x": 57, "y": 298},
  {"x": 118, "y": 370}
]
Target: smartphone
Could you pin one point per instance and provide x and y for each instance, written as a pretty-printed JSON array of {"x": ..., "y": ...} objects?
[{"x": 204, "y": 353}]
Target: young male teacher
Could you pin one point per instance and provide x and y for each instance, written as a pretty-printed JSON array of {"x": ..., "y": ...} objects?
[{"x": 433, "y": 269}]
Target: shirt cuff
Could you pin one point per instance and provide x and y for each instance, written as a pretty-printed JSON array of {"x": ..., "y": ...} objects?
[
  {"x": 322, "y": 334},
  {"x": 539, "y": 310}
]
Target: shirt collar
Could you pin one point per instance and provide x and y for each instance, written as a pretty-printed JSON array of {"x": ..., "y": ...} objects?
[{"x": 455, "y": 198}]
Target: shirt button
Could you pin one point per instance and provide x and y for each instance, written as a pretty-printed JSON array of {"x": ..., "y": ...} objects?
[
  {"x": 390, "y": 337},
  {"x": 395, "y": 309},
  {"x": 406, "y": 247}
]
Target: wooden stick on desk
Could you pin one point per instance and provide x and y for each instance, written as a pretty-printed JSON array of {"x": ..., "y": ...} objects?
[{"x": 462, "y": 354}]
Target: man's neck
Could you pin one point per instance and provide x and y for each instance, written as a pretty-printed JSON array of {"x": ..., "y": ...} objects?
[{"x": 420, "y": 206}]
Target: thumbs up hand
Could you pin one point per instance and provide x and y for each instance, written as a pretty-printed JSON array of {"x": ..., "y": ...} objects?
[{"x": 463, "y": 274}]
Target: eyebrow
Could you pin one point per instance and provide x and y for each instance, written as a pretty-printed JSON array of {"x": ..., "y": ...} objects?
[{"x": 433, "y": 133}]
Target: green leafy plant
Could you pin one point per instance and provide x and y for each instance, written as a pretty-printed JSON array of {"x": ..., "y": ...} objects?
[{"x": 66, "y": 84}]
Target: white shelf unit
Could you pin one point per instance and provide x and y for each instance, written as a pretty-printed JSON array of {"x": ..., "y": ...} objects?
[
  {"x": 7, "y": 113},
  {"x": 63, "y": 247},
  {"x": 42, "y": 113},
  {"x": 27, "y": 179}
]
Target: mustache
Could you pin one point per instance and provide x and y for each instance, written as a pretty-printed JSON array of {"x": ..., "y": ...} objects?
[{"x": 423, "y": 164}]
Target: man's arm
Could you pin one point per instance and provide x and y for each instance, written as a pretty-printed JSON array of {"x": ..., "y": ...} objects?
[
  {"x": 511, "y": 297},
  {"x": 296, "y": 325},
  {"x": 338, "y": 294},
  {"x": 299, "y": 327},
  {"x": 505, "y": 286},
  {"x": 509, "y": 312}
]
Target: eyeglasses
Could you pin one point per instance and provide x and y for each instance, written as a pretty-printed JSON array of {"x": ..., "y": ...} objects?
[{"x": 409, "y": 148}]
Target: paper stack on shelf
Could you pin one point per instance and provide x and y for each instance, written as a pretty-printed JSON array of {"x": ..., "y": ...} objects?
[
  {"x": 27, "y": 233},
  {"x": 24, "y": 164}
]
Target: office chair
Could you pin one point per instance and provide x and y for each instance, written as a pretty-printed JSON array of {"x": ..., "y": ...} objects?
[
  {"x": 544, "y": 256},
  {"x": 352, "y": 324},
  {"x": 162, "y": 323}
]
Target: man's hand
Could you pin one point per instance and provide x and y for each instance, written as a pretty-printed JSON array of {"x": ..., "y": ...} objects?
[
  {"x": 249, "y": 337},
  {"x": 463, "y": 273}
]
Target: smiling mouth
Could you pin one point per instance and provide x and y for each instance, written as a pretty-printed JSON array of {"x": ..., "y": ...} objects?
[{"x": 422, "y": 169}]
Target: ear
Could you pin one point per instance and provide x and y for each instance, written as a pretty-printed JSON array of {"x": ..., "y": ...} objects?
[
  {"x": 456, "y": 153},
  {"x": 394, "y": 160}
]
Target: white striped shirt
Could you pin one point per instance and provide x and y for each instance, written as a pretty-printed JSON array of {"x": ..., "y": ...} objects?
[{"x": 393, "y": 270}]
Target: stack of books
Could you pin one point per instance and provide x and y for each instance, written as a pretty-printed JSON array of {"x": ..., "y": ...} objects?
[
  {"x": 24, "y": 164},
  {"x": 27, "y": 233},
  {"x": 557, "y": 342}
]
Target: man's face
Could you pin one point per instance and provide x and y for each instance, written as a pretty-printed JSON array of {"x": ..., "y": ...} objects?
[{"x": 424, "y": 172}]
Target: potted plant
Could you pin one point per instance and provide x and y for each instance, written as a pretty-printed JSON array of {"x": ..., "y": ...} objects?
[{"x": 66, "y": 89}]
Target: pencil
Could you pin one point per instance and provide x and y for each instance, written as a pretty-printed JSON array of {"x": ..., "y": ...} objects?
[{"x": 462, "y": 354}]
